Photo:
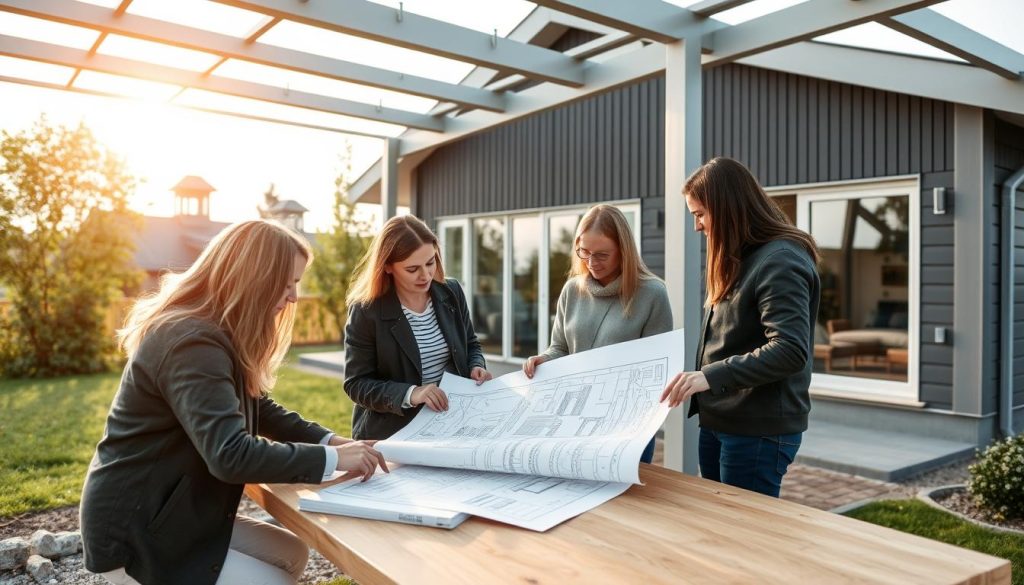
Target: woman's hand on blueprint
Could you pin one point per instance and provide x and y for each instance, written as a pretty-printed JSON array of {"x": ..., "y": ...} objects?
[
  {"x": 683, "y": 386},
  {"x": 530, "y": 366},
  {"x": 480, "y": 375},
  {"x": 432, "y": 396}
]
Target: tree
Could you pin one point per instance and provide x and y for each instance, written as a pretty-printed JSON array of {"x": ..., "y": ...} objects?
[
  {"x": 339, "y": 251},
  {"x": 65, "y": 249}
]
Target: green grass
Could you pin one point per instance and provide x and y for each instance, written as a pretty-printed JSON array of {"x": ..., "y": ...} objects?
[
  {"x": 921, "y": 519},
  {"x": 49, "y": 429}
]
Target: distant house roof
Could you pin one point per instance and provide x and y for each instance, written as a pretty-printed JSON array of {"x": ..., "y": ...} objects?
[
  {"x": 173, "y": 243},
  {"x": 192, "y": 184},
  {"x": 287, "y": 207}
]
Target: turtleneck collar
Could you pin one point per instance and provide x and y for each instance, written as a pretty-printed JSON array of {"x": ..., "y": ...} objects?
[{"x": 598, "y": 290}]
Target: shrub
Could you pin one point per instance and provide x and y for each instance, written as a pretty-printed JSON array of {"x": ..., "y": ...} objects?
[{"x": 997, "y": 479}]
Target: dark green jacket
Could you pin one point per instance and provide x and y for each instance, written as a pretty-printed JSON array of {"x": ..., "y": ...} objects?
[
  {"x": 382, "y": 359},
  {"x": 180, "y": 443},
  {"x": 756, "y": 347}
]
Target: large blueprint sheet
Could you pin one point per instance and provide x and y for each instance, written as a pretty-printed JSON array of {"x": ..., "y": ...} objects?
[{"x": 583, "y": 417}]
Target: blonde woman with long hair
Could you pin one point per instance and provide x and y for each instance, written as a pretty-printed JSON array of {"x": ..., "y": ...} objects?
[
  {"x": 610, "y": 296},
  {"x": 193, "y": 422},
  {"x": 756, "y": 350},
  {"x": 407, "y": 326}
]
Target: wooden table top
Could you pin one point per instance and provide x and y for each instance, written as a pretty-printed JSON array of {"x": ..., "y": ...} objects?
[{"x": 675, "y": 529}]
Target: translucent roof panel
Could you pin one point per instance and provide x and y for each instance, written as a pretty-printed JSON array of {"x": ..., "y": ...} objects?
[
  {"x": 284, "y": 78},
  {"x": 35, "y": 71},
  {"x": 503, "y": 15},
  {"x": 125, "y": 86},
  {"x": 882, "y": 38},
  {"x": 106, "y": 3},
  {"x": 999, "y": 20},
  {"x": 55, "y": 33},
  {"x": 744, "y": 12},
  {"x": 158, "y": 53},
  {"x": 202, "y": 14},
  {"x": 320, "y": 41},
  {"x": 208, "y": 100}
]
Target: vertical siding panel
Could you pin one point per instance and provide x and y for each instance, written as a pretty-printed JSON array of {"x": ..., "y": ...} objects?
[
  {"x": 824, "y": 142},
  {"x": 834, "y": 132},
  {"x": 903, "y": 134},
  {"x": 857, "y": 130},
  {"x": 813, "y": 133},
  {"x": 792, "y": 135},
  {"x": 927, "y": 126},
  {"x": 762, "y": 126},
  {"x": 914, "y": 109},
  {"x": 939, "y": 129},
  {"x": 801, "y": 138},
  {"x": 845, "y": 132},
  {"x": 735, "y": 108},
  {"x": 746, "y": 135},
  {"x": 773, "y": 129},
  {"x": 869, "y": 132},
  {"x": 949, "y": 133},
  {"x": 892, "y": 125}
]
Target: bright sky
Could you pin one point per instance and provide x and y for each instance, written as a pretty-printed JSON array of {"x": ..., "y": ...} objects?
[{"x": 240, "y": 157}]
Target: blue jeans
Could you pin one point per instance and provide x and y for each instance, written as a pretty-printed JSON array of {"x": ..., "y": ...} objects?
[
  {"x": 752, "y": 463},
  {"x": 648, "y": 454}
]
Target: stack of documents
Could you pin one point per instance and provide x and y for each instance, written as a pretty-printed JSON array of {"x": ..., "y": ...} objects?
[{"x": 532, "y": 453}]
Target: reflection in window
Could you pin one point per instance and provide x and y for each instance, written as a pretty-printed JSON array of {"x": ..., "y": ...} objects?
[
  {"x": 451, "y": 240},
  {"x": 562, "y": 233},
  {"x": 488, "y": 254},
  {"x": 863, "y": 316},
  {"x": 525, "y": 279}
]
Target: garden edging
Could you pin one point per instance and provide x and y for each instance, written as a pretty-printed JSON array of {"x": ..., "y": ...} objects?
[{"x": 928, "y": 495}]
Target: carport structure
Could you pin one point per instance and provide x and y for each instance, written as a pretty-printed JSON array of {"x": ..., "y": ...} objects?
[{"x": 511, "y": 79}]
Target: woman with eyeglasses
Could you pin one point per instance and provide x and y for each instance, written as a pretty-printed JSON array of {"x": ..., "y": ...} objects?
[
  {"x": 610, "y": 296},
  {"x": 756, "y": 348}
]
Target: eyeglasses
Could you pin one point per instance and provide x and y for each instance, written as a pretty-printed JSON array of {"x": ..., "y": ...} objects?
[{"x": 585, "y": 254}]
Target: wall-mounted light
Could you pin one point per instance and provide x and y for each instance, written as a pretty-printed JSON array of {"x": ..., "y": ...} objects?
[{"x": 939, "y": 200}]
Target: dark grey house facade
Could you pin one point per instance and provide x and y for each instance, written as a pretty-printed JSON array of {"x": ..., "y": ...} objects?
[{"x": 901, "y": 192}]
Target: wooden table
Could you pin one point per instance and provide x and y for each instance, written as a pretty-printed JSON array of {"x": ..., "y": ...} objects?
[{"x": 675, "y": 529}]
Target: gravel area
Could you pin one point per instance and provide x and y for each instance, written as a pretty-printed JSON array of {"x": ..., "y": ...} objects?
[{"x": 960, "y": 501}]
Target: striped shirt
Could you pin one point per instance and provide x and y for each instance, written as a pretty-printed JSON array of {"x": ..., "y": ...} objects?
[{"x": 432, "y": 345}]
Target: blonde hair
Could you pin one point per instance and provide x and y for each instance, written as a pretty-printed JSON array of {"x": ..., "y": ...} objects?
[
  {"x": 741, "y": 213},
  {"x": 399, "y": 239},
  {"x": 234, "y": 284},
  {"x": 611, "y": 223}
]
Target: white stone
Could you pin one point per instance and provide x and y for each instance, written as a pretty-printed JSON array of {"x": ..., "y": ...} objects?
[
  {"x": 40, "y": 568},
  {"x": 13, "y": 553},
  {"x": 68, "y": 543},
  {"x": 44, "y": 544}
]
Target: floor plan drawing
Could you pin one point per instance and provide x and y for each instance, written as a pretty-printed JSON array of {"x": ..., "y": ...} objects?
[{"x": 585, "y": 416}]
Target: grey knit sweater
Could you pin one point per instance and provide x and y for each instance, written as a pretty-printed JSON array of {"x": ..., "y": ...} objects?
[{"x": 596, "y": 318}]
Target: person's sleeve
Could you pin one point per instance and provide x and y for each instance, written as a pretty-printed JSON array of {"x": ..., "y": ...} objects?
[
  {"x": 474, "y": 350},
  {"x": 196, "y": 381},
  {"x": 660, "y": 318},
  {"x": 558, "y": 346},
  {"x": 362, "y": 383},
  {"x": 783, "y": 286},
  {"x": 280, "y": 424},
  {"x": 331, "y": 461}
]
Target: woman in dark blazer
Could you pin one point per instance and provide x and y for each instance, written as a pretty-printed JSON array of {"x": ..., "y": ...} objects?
[
  {"x": 190, "y": 424},
  {"x": 407, "y": 325},
  {"x": 756, "y": 346}
]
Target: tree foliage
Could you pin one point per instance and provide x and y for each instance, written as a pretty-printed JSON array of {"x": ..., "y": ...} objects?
[
  {"x": 340, "y": 250},
  {"x": 66, "y": 243}
]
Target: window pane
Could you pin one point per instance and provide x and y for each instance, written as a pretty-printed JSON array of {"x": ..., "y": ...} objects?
[
  {"x": 562, "y": 232},
  {"x": 489, "y": 256},
  {"x": 863, "y": 317},
  {"x": 451, "y": 241},
  {"x": 525, "y": 273}
]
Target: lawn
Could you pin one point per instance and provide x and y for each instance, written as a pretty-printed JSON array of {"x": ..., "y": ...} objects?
[
  {"x": 921, "y": 519},
  {"x": 49, "y": 428}
]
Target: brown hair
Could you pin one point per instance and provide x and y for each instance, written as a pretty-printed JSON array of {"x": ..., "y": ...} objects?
[
  {"x": 611, "y": 223},
  {"x": 741, "y": 214},
  {"x": 398, "y": 240},
  {"x": 235, "y": 284}
]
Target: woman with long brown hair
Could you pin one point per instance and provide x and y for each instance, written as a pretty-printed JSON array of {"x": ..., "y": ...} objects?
[
  {"x": 610, "y": 296},
  {"x": 193, "y": 422},
  {"x": 755, "y": 352},
  {"x": 407, "y": 325}
]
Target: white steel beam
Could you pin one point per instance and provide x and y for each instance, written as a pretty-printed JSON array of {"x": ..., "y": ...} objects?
[
  {"x": 929, "y": 78},
  {"x": 683, "y": 134},
  {"x": 945, "y": 33},
  {"x": 651, "y": 19},
  {"x": 60, "y": 55},
  {"x": 389, "y": 179},
  {"x": 219, "y": 112},
  {"x": 798, "y": 23},
  {"x": 373, "y": 21},
  {"x": 105, "y": 20}
]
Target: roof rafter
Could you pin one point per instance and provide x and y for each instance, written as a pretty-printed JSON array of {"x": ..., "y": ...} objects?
[
  {"x": 373, "y": 21},
  {"x": 709, "y": 7},
  {"x": 103, "y": 19},
  {"x": 652, "y": 19},
  {"x": 60, "y": 55},
  {"x": 798, "y": 23},
  {"x": 945, "y": 33}
]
